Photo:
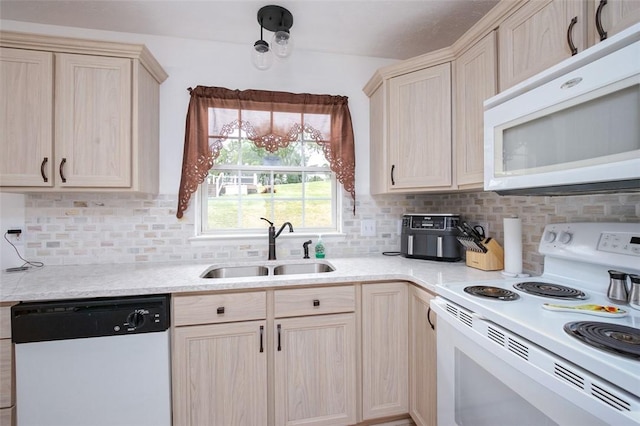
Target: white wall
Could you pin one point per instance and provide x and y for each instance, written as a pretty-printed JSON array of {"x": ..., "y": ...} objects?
[
  {"x": 11, "y": 217},
  {"x": 190, "y": 63}
]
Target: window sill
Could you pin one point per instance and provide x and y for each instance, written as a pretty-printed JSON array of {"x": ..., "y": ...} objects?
[{"x": 248, "y": 238}]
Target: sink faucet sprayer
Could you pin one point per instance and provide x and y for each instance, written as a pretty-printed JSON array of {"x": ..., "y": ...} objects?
[
  {"x": 305, "y": 246},
  {"x": 273, "y": 235}
]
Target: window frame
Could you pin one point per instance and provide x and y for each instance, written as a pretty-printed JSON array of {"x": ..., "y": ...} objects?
[{"x": 202, "y": 205}]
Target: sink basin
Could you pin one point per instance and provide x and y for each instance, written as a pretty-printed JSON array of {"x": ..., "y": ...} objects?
[
  {"x": 236, "y": 271},
  {"x": 302, "y": 268}
]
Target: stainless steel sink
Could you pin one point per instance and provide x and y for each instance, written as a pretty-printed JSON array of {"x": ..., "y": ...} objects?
[
  {"x": 302, "y": 268},
  {"x": 236, "y": 271},
  {"x": 260, "y": 270}
]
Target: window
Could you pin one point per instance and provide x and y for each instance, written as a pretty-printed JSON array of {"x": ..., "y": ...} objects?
[
  {"x": 276, "y": 155},
  {"x": 247, "y": 182}
]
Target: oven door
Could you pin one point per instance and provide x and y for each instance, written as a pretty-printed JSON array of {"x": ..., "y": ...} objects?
[{"x": 484, "y": 383}]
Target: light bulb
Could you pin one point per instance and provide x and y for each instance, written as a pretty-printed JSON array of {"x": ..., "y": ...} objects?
[
  {"x": 282, "y": 44},
  {"x": 261, "y": 55}
]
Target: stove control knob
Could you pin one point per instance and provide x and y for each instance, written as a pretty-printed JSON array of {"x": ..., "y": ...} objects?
[
  {"x": 564, "y": 237},
  {"x": 549, "y": 237}
]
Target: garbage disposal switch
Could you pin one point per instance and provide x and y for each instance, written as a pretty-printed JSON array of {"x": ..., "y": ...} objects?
[{"x": 99, "y": 362}]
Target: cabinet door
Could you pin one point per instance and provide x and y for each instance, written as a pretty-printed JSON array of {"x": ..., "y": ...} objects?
[
  {"x": 475, "y": 81},
  {"x": 26, "y": 101},
  {"x": 384, "y": 350},
  {"x": 220, "y": 374},
  {"x": 315, "y": 370},
  {"x": 614, "y": 16},
  {"x": 535, "y": 37},
  {"x": 378, "y": 157},
  {"x": 420, "y": 129},
  {"x": 422, "y": 353},
  {"x": 93, "y": 121}
]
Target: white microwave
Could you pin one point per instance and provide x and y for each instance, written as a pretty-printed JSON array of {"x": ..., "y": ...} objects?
[{"x": 574, "y": 128}]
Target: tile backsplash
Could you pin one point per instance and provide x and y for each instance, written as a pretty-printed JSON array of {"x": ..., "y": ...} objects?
[{"x": 86, "y": 228}]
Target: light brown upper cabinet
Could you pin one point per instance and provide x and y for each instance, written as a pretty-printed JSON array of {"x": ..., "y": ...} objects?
[
  {"x": 26, "y": 90},
  {"x": 420, "y": 129},
  {"x": 82, "y": 115},
  {"x": 538, "y": 35},
  {"x": 475, "y": 80},
  {"x": 411, "y": 131},
  {"x": 613, "y": 16}
]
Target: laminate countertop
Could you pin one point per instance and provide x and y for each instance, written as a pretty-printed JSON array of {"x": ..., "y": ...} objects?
[{"x": 107, "y": 280}]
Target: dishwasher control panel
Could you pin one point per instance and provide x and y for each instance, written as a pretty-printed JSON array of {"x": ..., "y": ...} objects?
[{"x": 82, "y": 318}]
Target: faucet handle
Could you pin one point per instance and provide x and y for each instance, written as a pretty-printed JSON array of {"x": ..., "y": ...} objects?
[{"x": 267, "y": 220}]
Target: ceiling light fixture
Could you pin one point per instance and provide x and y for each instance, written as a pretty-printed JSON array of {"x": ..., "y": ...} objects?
[{"x": 279, "y": 21}]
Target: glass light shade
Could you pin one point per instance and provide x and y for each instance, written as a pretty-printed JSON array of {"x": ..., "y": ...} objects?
[
  {"x": 282, "y": 44},
  {"x": 261, "y": 55}
]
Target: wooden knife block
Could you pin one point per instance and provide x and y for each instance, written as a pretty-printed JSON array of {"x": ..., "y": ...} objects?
[{"x": 492, "y": 260}]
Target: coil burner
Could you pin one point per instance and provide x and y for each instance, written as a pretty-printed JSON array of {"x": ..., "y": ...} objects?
[
  {"x": 555, "y": 291},
  {"x": 619, "y": 339},
  {"x": 492, "y": 292}
]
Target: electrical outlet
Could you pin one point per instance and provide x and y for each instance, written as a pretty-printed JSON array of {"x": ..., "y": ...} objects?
[{"x": 368, "y": 228}]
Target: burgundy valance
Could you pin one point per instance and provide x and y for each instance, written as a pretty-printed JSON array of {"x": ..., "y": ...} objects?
[{"x": 268, "y": 118}]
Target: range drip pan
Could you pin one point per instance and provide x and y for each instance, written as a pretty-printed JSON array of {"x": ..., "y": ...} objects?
[
  {"x": 555, "y": 291},
  {"x": 619, "y": 339},
  {"x": 492, "y": 292}
]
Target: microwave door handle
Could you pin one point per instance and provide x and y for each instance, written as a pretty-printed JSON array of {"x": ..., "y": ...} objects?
[
  {"x": 439, "y": 247},
  {"x": 410, "y": 245},
  {"x": 572, "y": 46}
]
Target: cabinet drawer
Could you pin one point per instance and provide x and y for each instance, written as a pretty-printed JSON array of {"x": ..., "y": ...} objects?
[
  {"x": 314, "y": 301},
  {"x": 5, "y": 321},
  {"x": 216, "y": 308},
  {"x": 6, "y": 373}
]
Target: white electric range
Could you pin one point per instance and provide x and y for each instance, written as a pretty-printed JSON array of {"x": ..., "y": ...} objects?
[{"x": 504, "y": 358}]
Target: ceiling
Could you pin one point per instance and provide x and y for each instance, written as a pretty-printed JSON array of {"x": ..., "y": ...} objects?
[{"x": 397, "y": 29}]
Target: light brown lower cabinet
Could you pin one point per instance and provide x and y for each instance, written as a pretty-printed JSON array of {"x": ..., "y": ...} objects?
[
  {"x": 315, "y": 356},
  {"x": 384, "y": 350},
  {"x": 220, "y": 374},
  {"x": 315, "y": 370},
  {"x": 422, "y": 356}
]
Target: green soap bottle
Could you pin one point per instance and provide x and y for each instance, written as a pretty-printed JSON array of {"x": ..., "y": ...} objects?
[{"x": 319, "y": 248}]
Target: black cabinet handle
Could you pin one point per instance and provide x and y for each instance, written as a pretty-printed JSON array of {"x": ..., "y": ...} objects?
[
  {"x": 220, "y": 310},
  {"x": 393, "y": 181},
  {"x": 279, "y": 347},
  {"x": 601, "y": 32},
  {"x": 433, "y": 327},
  {"x": 572, "y": 46},
  {"x": 261, "y": 338},
  {"x": 61, "y": 169},
  {"x": 44, "y": 163},
  {"x": 316, "y": 302}
]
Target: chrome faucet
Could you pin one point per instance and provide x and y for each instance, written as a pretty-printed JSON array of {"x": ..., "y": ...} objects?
[{"x": 273, "y": 235}]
